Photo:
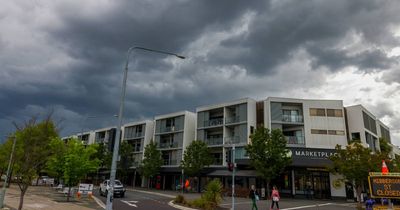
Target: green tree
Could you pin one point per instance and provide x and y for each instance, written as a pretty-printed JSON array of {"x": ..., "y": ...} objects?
[
  {"x": 354, "y": 163},
  {"x": 197, "y": 155},
  {"x": 103, "y": 155},
  {"x": 268, "y": 153},
  {"x": 126, "y": 160},
  {"x": 75, "y": 163},
  {"x": 5, "y": 151},
  {"x": 152, "y": 160},
  {"x": 32, "y": 151},
  {"x": 55, "y": 164}
]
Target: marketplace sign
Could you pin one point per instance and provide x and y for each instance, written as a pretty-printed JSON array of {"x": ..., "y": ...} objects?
[{"x": 384, "y": 186}]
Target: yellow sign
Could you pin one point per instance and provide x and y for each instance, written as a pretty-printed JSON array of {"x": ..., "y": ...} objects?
[{"x": 384, "y": 186}]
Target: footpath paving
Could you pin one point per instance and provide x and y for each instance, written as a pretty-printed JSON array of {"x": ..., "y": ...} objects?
[{"x": 46, "y": 198}]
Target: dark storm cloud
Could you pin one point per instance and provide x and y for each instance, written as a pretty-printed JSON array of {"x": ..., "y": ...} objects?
[{"x": 85, "y": 46}]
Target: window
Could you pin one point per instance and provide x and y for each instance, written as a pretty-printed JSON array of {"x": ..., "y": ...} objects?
[
  {"x": 334, "y": 113},
  {"x": 336, "y": 132},
  {"x": 316, "y": 131},
  {"x": 317, "y": 112}
]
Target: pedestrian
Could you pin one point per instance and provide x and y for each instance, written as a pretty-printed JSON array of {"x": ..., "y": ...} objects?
[
  {"x": 253, "y": 195},
  {"x": 369, "y": 204},
  {"x": 275, "y": 198}
]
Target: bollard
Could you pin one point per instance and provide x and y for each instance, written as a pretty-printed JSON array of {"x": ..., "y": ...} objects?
[
  {"x": 90, "y": 195},
  {"x": 78, "y": 194}
]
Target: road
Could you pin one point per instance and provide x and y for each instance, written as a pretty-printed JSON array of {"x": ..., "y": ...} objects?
[{"x": 139, "y": 201}]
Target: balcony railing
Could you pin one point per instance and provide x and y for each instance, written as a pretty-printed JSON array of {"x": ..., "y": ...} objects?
[
  {"x": 136, "y": 164},
  {"x": 217, "y": 161},
  {"x": 214, "y": 141},
  {"x": 234, "y": 140},
  {"x": 168, "y": 145},
  {"x": 213, "y": 122},
  {"x": 168, "y": 162},
  {"x": 295, "y": 140},
  {"x": 230, "y": 120},
  {"x": 292, "y": 118},
  {"x": 169, "y": 129}
]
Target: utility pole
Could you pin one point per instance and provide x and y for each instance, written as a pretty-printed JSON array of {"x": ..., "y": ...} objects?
[
  {"x": 3, "y": 191},
  {"x": 233, "y": 176}
]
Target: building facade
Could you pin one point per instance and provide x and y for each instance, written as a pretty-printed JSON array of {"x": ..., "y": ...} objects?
[{"x": 312, "y": 129}]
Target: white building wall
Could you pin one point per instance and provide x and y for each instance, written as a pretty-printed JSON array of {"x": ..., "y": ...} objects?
[
  {"x": 335, "y": 190},
  {"x": 355, "y": 122},
  {"x": 189, "y": 130},
  {"x": 323, "y": 123},
  {"x": 251, "y": 117}
]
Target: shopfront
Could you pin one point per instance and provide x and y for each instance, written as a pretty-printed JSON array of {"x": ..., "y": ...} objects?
[{"x": 308, "y": 176}]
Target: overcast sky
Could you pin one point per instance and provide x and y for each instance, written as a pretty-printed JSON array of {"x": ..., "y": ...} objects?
[{"x": 68, "y": 56}]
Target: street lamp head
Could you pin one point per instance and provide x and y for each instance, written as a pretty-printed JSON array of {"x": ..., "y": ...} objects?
[{"x": 180, "y": 56}]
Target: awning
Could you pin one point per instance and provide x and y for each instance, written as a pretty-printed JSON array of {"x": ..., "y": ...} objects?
[{"x": 245, "y": 173}]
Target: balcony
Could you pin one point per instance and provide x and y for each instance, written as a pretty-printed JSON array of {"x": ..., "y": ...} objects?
[
  {"x": 295, "y": 140},
  {"x": 136, "y": 164},
  {"x": 168, "y": 129},
  {"x": 214, "y": 141},
  {"x": 168, "y": 145},
  {"x": 230, "y": 120},
  {"x": 292, "y": 118},
  {"x": 169, "y": 162},
  {"x": 235, "y": 140},
  {"x": 217, "y": 161},
  {"x": 213, "y": 122}
]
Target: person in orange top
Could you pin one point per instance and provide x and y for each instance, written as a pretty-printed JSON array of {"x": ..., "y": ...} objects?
[{"x": 275, "y": 198}]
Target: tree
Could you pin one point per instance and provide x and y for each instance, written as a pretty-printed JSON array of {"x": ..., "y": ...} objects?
[
  {"x": 75, "y": 163},
  {"x": 354, "y": 163},
  {"x": 103, "y": 155},
  {"x": 152, "y": 160},
  {"x": 197, "y": 155},
  {"x": 32, "y": 151},
  {"x": 268, "y": 153},
  {"x": 126, "y": 160}
]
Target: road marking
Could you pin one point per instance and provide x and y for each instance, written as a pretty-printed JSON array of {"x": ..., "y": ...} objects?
[
  {"x": 310, "y": 206},
  {"x": 130, "y": 203},
  {"x": 99, "y": 202}
]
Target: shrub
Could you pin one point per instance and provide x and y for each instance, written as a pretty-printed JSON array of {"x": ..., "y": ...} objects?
[
  {"x": 180, "y": 199},
  {"x": 213, "y": 192}
]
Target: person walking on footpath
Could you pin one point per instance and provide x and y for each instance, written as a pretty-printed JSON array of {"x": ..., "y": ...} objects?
[
  {"x": 253, "y": 195},
  {"x": 275, "y": 198}
]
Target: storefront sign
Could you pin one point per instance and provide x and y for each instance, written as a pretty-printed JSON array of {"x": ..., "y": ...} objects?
[
  {"x": 384, "y": 186},
  {"x": 311, "y": 157}
]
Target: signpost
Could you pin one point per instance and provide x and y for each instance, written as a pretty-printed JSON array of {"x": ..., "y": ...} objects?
[{"x": 384, "y": 185}]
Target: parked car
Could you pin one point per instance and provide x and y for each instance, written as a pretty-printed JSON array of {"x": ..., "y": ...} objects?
[{"x": 119, "y": 189}]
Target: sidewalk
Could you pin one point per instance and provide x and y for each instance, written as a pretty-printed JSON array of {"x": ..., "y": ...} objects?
[{"x": 46, "y": 198}]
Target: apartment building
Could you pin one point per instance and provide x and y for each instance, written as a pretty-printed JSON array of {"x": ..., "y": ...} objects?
[
  {"x": 363, "y": 125},
  {"x": 172, "y": 133},
  {"x": 105, "y": 136},
  {"x": 138, "y": 135},
  {"x": 226, "y": 124},
  {"x": 312, "y": 128}
]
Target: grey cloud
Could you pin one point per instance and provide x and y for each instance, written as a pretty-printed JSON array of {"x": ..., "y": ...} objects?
[{"x": 93, "y": 47}]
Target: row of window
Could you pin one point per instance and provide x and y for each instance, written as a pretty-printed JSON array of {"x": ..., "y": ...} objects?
[
  {"x": 326, "y": 112},
  {"x": 327, "y": 132}
]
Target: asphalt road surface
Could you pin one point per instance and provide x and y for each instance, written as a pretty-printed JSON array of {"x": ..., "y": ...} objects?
[{"x": 139, "y": 201}]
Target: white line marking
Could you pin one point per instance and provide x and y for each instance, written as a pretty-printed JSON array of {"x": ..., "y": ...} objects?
[
  {"x": 99, "y": 202},
  {"x": 309, "y": 206},
  {"x": 130, "y": 203}
]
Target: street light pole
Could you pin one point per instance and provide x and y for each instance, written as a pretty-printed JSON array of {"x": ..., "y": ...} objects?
[
  {"x": 120, "y": 117},
  {"x": 3, "y": 191}
]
